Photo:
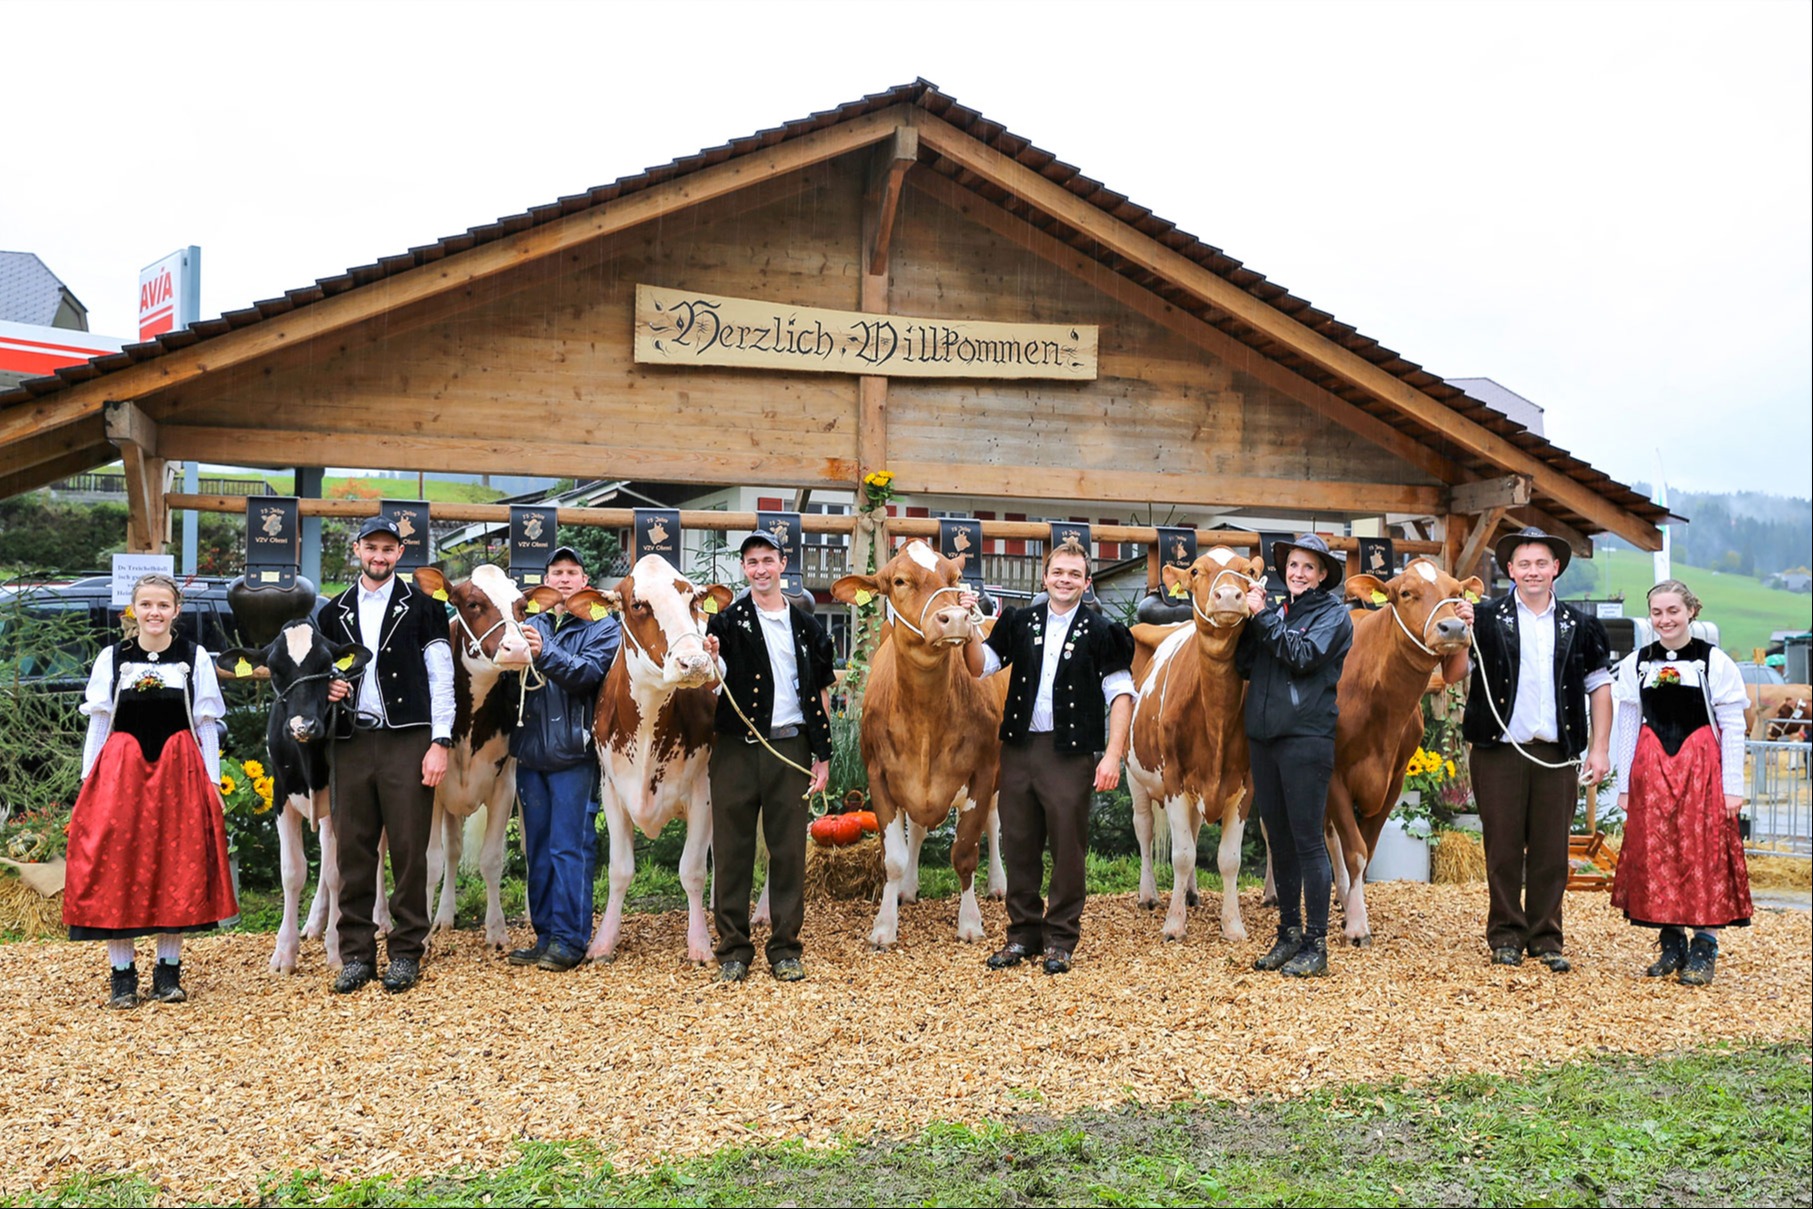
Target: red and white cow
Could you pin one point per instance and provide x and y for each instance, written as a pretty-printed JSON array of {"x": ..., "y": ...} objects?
[
  {"x": 1188, "y": 755},
  {"x": 930, "y": 733},
  {"x": 654, "y": 727},
  {"x": 486, "y": 633},
  {"x": 1396, "y": 649}
]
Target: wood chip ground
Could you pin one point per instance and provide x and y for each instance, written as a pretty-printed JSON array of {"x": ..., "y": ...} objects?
[{"x": 263, "y": 1073}]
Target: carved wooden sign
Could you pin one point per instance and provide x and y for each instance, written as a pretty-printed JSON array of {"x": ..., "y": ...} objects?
[{"x": 681, "y": 327}]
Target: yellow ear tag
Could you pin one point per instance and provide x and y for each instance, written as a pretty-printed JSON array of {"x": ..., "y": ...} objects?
[
  {"x": 864, "y": 596},
  {"x": 441, "y": 594},
  {"x": 1378, "y": 597},
  {"x": 1177, "y": 589},
  {"x": 534, "y": 606},
  {"x": 599, "y": 611},
  {"x": 241, "y": 669},
  {"x": 711, "y": 604},
  {"x": 344, "y": 662},
  {"x": 1472, "y": 597}
]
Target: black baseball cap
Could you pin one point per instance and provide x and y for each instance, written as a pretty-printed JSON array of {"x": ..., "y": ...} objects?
[
  {"x": 761, "y": 537},
  {"x": 380, "y": 524},
  {"x": 568, "y": 553}
]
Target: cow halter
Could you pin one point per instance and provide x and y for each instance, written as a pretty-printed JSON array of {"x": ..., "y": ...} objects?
[
  {"x": 475, "y": 643},
  {"x": 895, "y": 616},
  {"x": 1421, "y": 644},
  {"x": 1197, "y": 609}
]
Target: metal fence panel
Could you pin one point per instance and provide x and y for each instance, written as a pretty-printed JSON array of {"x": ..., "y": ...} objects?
[{"x": 1780, "y": 808}]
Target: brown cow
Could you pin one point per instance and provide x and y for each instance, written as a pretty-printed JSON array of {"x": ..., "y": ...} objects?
[
  {"x": 1395, "y": 650},
  {"x": 1188, "y": 754},
  {"x": 655, "y": 726},
  {"x": 930, "y": 731},
  {"x": 1790, "y": 722}
]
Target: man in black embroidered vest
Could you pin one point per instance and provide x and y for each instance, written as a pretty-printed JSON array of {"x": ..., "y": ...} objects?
[
  {"x": 390, "y": 751},
  {"x": 778, "y": 666},
  {"x": 1540, "y": 661},
  {"x": 1070, "y": 674}
]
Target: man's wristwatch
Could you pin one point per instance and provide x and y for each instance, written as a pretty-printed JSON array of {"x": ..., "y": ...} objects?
[{"x": 443, "y": 742}]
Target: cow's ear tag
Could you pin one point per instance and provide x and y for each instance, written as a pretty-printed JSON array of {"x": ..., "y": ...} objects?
[
  {"x": 534, "y": 606},
  {"x": 711, "y": 604},
  {"x": 599, "y": 612},
  {"x": 242, "y": 669},
  {"x": 440, "y": 594},
  {"x": 864, "y": 596},
  {"x": 1472, "y": 597},
  {"x": 1378, "y": 597},
  {"x": 344, "y": 663},
  {"x": 1177, "y": 589}
]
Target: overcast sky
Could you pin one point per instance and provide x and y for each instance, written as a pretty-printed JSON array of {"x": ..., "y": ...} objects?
[{"x": 1604, "y": 206}]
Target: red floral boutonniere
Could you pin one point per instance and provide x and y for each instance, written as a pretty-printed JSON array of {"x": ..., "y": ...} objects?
[
  {"x": 1668, "y": 675},
  {"x": 148, "y": 682}
]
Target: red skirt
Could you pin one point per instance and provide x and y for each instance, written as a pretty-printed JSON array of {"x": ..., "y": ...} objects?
[
  {"x": 147, "y": 845},
  {"x": 1682, "y": 863}
]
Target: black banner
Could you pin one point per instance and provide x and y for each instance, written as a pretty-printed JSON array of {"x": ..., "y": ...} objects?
[
  {"x": 1376, "y": 557},
  {"x": 1177, "y": 547},
  {"x": 1078, "y": 531},
  {"x": 1274, "y": 585},
  {"x": 273, "y": 540},
  {"x": 532, "y": 540},
  {"x": 785, "y": 528},
  {"x": 656, "y": 531},
  {"x": 411, "y": 519},
  {"x": 961, "y": 537}
]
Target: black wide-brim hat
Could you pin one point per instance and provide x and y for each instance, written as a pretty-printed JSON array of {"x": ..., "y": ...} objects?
[
  {"x": 1507, "y": 546},
  {"x": 1335, "y": 566}
]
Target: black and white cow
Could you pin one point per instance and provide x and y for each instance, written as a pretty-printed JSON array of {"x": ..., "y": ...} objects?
[{"x": 299, "y": 663}]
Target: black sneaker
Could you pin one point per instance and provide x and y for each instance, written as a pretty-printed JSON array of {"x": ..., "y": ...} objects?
[
  {"x": 789, "y": 969},
  {"x": 124, "y": 990},
  {"x": 558, "y": 957},
  {"x": 401, "y": 974},
  {"x": 1008, "y": 955},
  {"x": 353, "y": 975},
  {"x": 528, "y": 956},
  {"x": 733, "y": 971},
  {"x": 1507, "y": 955},
  {"x": 167, "y": 982},
  {"x": 1311, "y": 960},
  {"x": 1289, "y": 941},
  {"x": 1702, "y": 956},
  {"x": 1674, "y": 954}
]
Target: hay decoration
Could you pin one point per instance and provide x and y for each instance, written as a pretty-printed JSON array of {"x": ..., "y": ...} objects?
[
  {"x": 853, "y": 873},
  {"x": 1780, "y": 872},
  {"x": 1458, "y": 857},
  {"x": 25, "y": 912}
]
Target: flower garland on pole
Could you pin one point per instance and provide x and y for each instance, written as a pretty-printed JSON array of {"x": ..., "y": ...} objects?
[{"x": 877, "y": 490}]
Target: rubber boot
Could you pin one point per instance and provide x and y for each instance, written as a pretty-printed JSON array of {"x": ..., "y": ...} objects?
[
  {"x": 124, "y": 991},
  {"x": 1311, "y": 960},
  {"x": 1702, "y": 955},
  {"x": 1674, "y": 954},
  {"x": 1289, "y": 941},
  {"x": 167, "y": 982}
]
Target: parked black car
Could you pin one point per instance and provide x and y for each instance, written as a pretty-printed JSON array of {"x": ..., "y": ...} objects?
[{"x": 206, "y": 618}]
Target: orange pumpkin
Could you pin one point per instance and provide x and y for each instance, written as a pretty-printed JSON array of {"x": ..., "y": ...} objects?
[
  {"x": 867, "y": 820},
  {"x": 835, "y": 830}
]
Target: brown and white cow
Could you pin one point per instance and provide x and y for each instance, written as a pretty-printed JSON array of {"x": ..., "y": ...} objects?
[
  {"x": 930, "y": 732},
  {"x": 1790, "y": 722},
  {"x": 1396, "y": 649},
  {"x": 486, "y": 633},
  {"x": 654, "y": 727},
  {"x": 1188, "y": 755}
]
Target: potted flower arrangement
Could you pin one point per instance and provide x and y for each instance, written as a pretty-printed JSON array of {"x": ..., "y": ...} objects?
[{"x": 245, "y": 794}]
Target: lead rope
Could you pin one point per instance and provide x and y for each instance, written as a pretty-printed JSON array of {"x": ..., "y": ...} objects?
[
  {"x": 530, "y": 679},
  {"x": 1504, "y": 727}
]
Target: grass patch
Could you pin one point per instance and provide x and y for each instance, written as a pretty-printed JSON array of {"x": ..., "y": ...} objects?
[{"x": 1722, "y": 1126}]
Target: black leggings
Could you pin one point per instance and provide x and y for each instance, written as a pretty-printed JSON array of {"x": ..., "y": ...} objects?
[{"x": 1290, "y": 795}]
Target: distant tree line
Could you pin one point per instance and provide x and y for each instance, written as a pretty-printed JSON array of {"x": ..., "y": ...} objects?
[{"x": 1745, "y": 532}]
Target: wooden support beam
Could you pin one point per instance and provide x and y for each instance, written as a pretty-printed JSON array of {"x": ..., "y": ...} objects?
[
  {"x": 1483, "y": 495},
  {"x": 21, "y": 459},
  {"x": 1219, "y": 344},
  {"x": 39, "y": 474},
  {"x": 1455, "y": 528},
  {"x": 893, "y": 160},
  {"x": 1183, "y": 490},
  {"x": 135, "y": 435},
  {"x": 1485, "y": 526},
  {"x": 1148, "y": 253},
  {"x": 126, "y": 423},
  {"x": 480, "y": 264},
  {"x": 801, "y": 499}
]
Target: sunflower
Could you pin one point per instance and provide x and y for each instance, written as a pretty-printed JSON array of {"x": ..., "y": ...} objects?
[
  {"x": 253, "y": 769},
  {"x": 227, "y": 785}
]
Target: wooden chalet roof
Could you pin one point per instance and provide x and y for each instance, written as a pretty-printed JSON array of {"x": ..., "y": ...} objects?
[{"x": 1431, "y": 428}]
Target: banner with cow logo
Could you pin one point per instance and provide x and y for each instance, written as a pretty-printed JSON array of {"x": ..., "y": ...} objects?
[
  {"x": 532, "y": 541},
  {"x": 1376, "y": 557},
  {"x": 1176, "y": 548},
  {"x": 273, "y": 540},
  {"x": 1274, "y": 586},
  {"x": 1078, "y": 532},
  {"x": 411, "y": 519},
  {"x": 961, "y": 537},
  {"x": 656, "y": 531},
  {"x": 785, "y": 528}
]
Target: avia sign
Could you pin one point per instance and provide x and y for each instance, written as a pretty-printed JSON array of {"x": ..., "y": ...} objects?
[{"x": 169, "y": 293}]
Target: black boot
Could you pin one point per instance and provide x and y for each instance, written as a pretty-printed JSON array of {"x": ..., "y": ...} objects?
[
  {"x": 125, "y": 988},
  {"x": 167, "y": 982},
  {"x": 1674, "y": 954},
  {"x": 1702, "y": 955},
  {"x": 1311, "y": 960},
  {"x": 1289, "y": 941}
]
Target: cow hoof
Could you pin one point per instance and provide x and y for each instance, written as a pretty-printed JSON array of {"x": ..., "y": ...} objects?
[
  {"x": 1190, "y": 898},
  {"x": 601, "y": 959},
  {"x": 1361, "y": 942},
  {"x": 1150, "y": 906}
]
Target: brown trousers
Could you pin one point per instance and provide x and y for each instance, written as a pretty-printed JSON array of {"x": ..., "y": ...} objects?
[
  {"x": 747, "y": 784},
  {"x": 1525, "y": 813},
  {"x": 1044, "y": 799},
  {"x": 378, "y": 789}
]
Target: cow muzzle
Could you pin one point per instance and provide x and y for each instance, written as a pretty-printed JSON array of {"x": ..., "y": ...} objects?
[
  {"x": 953, "y": 626},
  {"x": 512, "y": 650},
  {"x": 1450, "y": 634},
  {"x": 687, "y": 665},
  {"x": 305, "y": 730}
]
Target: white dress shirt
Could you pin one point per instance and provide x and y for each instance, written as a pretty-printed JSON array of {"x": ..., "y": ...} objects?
[
  {"x": 777, "y": 633},
  {"x": 1534, "y": 715},
  {"x": 374, "y": 610}
]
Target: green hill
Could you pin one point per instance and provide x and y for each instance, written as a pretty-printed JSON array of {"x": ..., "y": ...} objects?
[{"x": 1745, "y": 610}]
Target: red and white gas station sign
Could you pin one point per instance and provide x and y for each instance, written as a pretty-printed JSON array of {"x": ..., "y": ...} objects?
[
  {"x": 169, "y": 293},
  {"x": 30, "y": 351}
]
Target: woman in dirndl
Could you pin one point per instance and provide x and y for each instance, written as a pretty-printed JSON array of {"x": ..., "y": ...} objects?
[
  {"x": 147, "y": 838},
  {"x": 1678, "y": 746}
]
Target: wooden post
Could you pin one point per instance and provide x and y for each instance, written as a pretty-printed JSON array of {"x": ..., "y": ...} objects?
[
  {"x": 1455, "y": 527},
  {"x": 1484, "y": 527},
  {"x": 134, "y": 434}
]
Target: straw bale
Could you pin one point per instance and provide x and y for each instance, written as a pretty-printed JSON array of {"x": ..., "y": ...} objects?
[
  {"x": 856, "y": 872},
  {"x": 26, "y": 912},
  {"x": 1457, "y": 857},
  {"x": 649, "y": 1057},
  {"x": 1780, "y": 872}
]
